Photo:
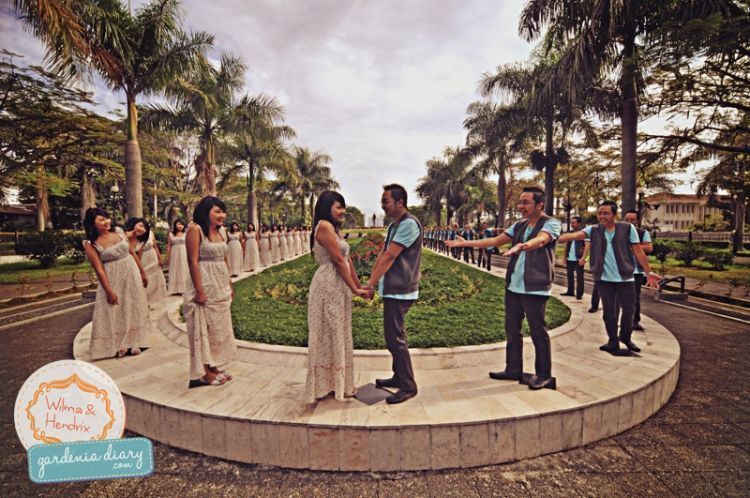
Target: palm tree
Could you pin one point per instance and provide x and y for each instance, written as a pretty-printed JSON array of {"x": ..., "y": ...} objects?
[
  {"x": 258, "y": 145},
  {"x": 600, "y": 37},
  {"x": 134, "y": 53},
  {"x": 493, "y": 133},
  {"x": 447, "y": 179},
  {"x": 205, "y": 103},
  {"x": 430, "y": 188},
  {"x": 311, "y": 174}
]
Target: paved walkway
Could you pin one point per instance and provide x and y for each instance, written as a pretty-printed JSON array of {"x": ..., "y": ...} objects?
[{"x": 698, "y": 445}]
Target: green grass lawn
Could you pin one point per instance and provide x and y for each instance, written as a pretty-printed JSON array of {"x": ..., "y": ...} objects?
[
  {"x": 702, "y": 270},
  {"x": 12, "y": 273},
  {"x": 458, "y": 305}
]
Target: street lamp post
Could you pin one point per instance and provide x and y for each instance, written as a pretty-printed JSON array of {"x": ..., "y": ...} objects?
[{"x": 114, "y": 190}]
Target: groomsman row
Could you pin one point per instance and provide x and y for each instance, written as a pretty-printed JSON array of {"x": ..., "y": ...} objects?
[{"x": 435, "y": 238}]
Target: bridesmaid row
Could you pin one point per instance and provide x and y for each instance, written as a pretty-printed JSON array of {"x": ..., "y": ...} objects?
[{"x": 201, "y": 258}]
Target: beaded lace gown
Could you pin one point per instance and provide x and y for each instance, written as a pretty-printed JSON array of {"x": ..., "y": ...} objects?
[
  {"x": 330, "y": 350},
  {"x": 275, "y": 248},
  {"x": 209, "y": 326},
  {"x": 234, "y": 257},
  {"x": 179, "y": 273},
  {"x": 283, "y": 246},
  {"x": 265, "y": 249},
  {"x": 252, "y": 252},
  {"x": 126, "y": 324},
  {"x": 157, "y": 284}
]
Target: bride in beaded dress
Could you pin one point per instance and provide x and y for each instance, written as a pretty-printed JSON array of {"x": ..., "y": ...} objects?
[
  {"x": 330, "y": 349},
  {"x": 121, "y": 322},
  {"x": 209, "y": 296}
]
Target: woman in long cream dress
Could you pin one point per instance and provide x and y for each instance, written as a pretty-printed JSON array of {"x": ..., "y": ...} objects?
[
  {"x": 283, "y": 248},
  {"x": 264, "y": 246},
  {"x": 177, "y": 259},
  {"x": 275, "y": 245},
  {"x": 330, "y": 366},
  {"x": 120, "y": 323},
  {"x": 234, "y": 257},
  {"x": 252, "y": 251},
  {"x": 147, "y": 249},
  {"x": 209, "y": 296}
]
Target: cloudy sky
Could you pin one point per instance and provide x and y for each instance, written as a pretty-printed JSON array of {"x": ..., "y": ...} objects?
[{"x": 380, "y": 85}]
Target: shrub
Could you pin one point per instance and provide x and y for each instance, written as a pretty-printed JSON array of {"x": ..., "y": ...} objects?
[
  {"x": 717, "y": 258},
  {"x": 74, "y": 246},
  {"x": 44, "y": 247},
  {"x": 662, "y": 249},
  {"x": 688, "y": 252},
  {"x": 161, "y": 235}
]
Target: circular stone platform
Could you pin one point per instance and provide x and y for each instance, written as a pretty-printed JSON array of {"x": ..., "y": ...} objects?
[{"x": 461, "y": 417}]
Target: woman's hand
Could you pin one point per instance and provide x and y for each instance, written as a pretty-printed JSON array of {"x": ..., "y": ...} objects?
[
  {"x": 144, "y": 279},
  {"x": 112, "y": 297},
  {"x": 200, "y": 297},
  {"x": 363, "y": 293}
]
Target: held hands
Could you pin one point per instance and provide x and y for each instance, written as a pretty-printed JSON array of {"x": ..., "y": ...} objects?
[
  {"x": 459, "y": 242},
  {"x": 514, "y": 250},
  {"x": 364, "y": 293}
]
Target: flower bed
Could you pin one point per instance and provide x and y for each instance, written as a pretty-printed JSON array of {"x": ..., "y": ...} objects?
[{"x": 458, "y": 305}]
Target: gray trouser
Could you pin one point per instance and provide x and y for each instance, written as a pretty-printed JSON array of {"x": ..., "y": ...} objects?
[
  {"x": 394, "y": 311},
  {"x": 532, "y": 307}
]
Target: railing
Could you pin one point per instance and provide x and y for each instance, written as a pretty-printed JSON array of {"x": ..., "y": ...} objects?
[
  {"x": 8, "y": 242},
  {"x": 699, "y": 236}
]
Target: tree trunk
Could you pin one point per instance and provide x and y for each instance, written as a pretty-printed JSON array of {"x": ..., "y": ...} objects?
[
  {"x": 739, "y": 223},
  {"x": 501, "y": 188},
  {"x": 88, "y": 194},
  {"x": 302, "y": 208},
  {"x": 252, "y": 208},
  {"x": 629, "y": 122},
  {"x": 549, "y": 167},
  {"x": 312, "y": 208},
  {"x": 42, "y": 201},
  {"x": 133, "y": 164}
]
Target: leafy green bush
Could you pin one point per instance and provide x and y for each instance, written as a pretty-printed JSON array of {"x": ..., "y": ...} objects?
[
  {"x": 662, "y": 249},
  {"x": 161, "y": 235},
  {"x": 44, "y": 247},
  {"x": 74, "y": 246},
  {"x": 457, "y": 305},
  {"x": 718, "y": 259},
  {"x": 688, "y": 252}
]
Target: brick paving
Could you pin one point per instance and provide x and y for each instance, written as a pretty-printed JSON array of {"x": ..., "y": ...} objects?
[{"x": 697, "y": 445}]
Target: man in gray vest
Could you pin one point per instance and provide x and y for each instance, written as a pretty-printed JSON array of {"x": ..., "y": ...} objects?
[
  {"x": 615, "y": 248},
  {"x": 634, "y": 218},
  {"x": 399, "y": 265},
  {"x": 574, "y": 261},
  {"x": 528, "y": 283}
]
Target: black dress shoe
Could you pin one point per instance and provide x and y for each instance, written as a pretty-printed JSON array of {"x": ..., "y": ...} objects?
[
  {"x": 400, "y": 397},
  {"x": 638, "y": 326},
  {"x": 569, "y": 294},
  {"x": 610, "y": 346},
  {"x": 631, "y": 346},
  {"x": 387, "y": 382},
  {"x": 539, "y": 383},
  {"x": 593, "y": 310},
  {"x": 503, "y": 375},
  {"x": 579, "y": 297}
]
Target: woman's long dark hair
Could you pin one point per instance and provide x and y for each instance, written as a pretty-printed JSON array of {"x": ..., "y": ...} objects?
[
  {"x": 200, "y": 215},
  {"x": 251, "y": 225},
  {"x": 234, "y": 224},
  {"x": 174, "y": 226},
  {"x": 323, "y": 211},
  {"x": 88, "y": 223},
  {"x": 132, "y": 222}
]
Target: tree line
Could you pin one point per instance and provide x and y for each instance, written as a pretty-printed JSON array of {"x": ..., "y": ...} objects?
[
  {"x": 571, "y": 113},
  {"x": 205, "y": 134}
]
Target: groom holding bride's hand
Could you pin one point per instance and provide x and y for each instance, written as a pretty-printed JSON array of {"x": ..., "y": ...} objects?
[{"x": 398, "y": 264}]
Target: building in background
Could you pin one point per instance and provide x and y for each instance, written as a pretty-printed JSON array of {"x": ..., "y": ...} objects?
[{"x": 677, "y": 212}]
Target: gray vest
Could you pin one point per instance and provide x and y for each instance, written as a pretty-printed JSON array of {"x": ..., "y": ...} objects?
[
  {"x": 539, "y": 269},
  {"x": 404, "y": 274},
  {"x": 621, "y": 245}
]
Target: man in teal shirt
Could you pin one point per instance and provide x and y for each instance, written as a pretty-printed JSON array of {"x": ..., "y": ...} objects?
[{"x": 399, "y": 266}]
